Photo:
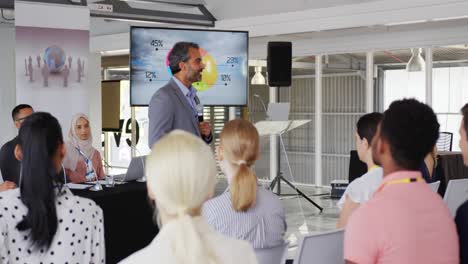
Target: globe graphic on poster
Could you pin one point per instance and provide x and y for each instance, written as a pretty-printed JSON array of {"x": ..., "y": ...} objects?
[{"x": 54, "y": 58}]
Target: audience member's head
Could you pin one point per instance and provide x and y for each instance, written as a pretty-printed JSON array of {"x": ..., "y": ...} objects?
[
  {"x": 20, "y": 112},
  {"x": 80, "y": 130},
  {"x": 181, "y": 176},
  {"x": 238, "y": 150},
  {"x": 464, "y": 134},
  {"x": 185, "y": 61},
  {"x": 79, "y": 136},
  {"x": 365, "y": 132},
  {"x": 407, "y": 133},
  {"x": 41, "y": 151}
]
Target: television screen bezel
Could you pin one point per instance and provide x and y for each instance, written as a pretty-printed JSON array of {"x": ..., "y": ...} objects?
[{"x": 191, "y": 29}]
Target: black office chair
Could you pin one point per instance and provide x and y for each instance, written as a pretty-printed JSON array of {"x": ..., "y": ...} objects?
[
  {"x": 357, "y": 168},
  {"x": 444, "y": 143}
]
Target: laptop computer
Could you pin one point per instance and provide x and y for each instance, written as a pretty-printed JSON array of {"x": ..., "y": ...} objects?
[
  {"x": 456, "y": 194},
  {"x": 136, "y": 170}
]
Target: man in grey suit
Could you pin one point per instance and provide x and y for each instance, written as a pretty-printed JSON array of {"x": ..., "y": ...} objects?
[{"x": 176, "y": 105}]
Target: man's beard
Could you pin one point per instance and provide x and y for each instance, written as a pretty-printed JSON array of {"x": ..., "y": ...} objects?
[{"x": 194, "y": 76}]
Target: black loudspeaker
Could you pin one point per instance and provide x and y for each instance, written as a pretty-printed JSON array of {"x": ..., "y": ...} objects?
[{"x": 279, "y": 62}]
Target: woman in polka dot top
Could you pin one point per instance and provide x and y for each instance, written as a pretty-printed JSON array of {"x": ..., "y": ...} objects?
[{"x": 42, "y": 221}]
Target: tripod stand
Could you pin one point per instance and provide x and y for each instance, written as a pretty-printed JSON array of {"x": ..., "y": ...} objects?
[{"x": 278, "y": 128}]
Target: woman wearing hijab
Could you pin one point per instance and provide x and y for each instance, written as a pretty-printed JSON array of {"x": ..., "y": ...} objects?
[{"x": 82, "y": 162}]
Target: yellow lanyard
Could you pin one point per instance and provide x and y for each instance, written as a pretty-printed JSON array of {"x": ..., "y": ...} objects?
[
  {"x": 373, "y": 167},
  {"x": 401, "y": 181}
]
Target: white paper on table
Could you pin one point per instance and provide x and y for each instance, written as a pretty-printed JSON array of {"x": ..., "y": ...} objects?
[
  {"x": 77, "y": 186},
  {"x": 100, "y": 181}
]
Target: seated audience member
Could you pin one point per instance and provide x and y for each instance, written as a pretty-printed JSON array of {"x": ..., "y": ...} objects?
[
  {"x": 82, "y": 162},
  {"x": 428, "y": 167},
  {"x": 361, "y": 190},
  {"x": 462, "y": 213},
  {"x": 181, "y": 176},
  {"x": 404, "y": 221},
  {"x": 247, "y": 211},
  {"x": 42, "y": 221},
  {"x": 9, "y": 166},
  {"x": 6, "y": 185}
]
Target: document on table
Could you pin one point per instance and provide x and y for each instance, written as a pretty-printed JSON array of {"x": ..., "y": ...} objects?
[
  {"x": 78, "y": 186},
  {"x": 103, "y": 182}
]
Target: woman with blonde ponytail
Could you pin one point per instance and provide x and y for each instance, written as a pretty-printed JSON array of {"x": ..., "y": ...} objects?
[
  {"x": 181, "y": 176},
  {"x": 248, "y": 211}
]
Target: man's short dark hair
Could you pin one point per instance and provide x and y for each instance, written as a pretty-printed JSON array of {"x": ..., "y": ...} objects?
[
  {"x": 180, "y": 53},
  {"x": 464, "y": 112},
  {"x": 411, "y": 129},
  {"x": 17, "y": 109},
  {"x": 367, "y": 125}
]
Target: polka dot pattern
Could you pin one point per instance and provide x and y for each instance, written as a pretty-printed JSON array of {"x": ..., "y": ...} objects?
[{"x": 79, "y": 237}]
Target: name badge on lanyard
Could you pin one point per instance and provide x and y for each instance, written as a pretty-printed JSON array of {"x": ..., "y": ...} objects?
[{"x": 90, "y": 173}]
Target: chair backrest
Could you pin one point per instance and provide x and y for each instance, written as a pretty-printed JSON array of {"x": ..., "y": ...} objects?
[
  {"x": 456, "y": 194},
  {"x": 444, "y": 142},
  {"x": 321, "y": 248},
  {"x": 434, "y": 185},
  {"x": 274, "y": 255}
]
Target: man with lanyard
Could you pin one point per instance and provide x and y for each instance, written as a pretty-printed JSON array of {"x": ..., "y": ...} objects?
[
  {"x": 176, "y": 105},
  {"x": 404, "y": 221}
]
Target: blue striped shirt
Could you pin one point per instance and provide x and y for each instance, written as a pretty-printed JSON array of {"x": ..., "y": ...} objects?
[{"x": 263, "y": 225}]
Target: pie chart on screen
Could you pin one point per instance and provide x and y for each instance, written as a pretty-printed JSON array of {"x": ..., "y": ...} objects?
[{"x": 209, "y": 74}]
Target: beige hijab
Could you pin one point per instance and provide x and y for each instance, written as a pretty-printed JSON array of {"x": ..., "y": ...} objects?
[{"x": 74, "y": 143}]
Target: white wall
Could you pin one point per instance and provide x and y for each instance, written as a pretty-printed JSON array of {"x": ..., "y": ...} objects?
[
  {"x": 7, "y": 83},
  {"x": 94, "y": 92}
]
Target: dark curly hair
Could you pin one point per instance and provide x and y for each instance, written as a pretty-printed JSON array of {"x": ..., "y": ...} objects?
[{"x": 411, "y": 129}]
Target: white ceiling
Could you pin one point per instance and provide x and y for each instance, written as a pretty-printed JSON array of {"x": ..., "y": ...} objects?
[
  {"x": 223, "y": 10},
  {"x": 248, "y": 8}
]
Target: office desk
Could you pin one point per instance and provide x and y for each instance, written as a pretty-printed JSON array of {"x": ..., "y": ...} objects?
[{"x": 128, "y": 218}]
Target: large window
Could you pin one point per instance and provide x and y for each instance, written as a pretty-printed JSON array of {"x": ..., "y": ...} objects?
[
  {"x": 118, "y": 149},
  {"x": 450, "y": 93},
  {"x": 403, "y": 84}
]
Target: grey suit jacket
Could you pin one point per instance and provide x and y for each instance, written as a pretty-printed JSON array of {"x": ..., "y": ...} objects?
[{"x": 169, "y": 110}]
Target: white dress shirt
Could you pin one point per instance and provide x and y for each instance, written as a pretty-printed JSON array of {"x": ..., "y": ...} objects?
[
  {"x": 79, "y": 237},
  {"x": 361, "y": 189},
  {"x": 227, "y": 250}
]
